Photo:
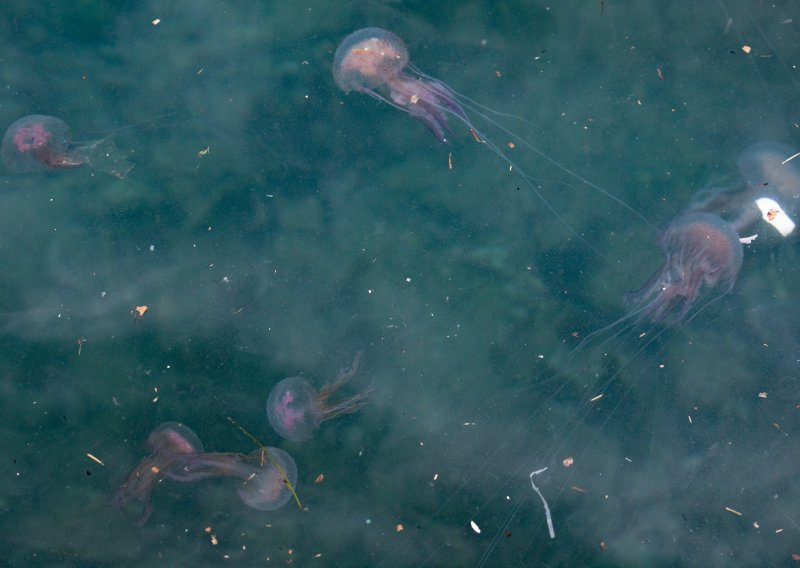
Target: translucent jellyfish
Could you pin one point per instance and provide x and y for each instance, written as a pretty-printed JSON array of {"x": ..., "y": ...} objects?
[
  {"x": 265, "y": 475},
  {"x": 262, "y": 474},
  {"x": 170, "y": 444},
  {"x": 702, "y": 251},
  {"x": 375, "y": 62},
  {"x": 296, "y": 410},
  {"x": 264, "y": 485},
  {"x": 38, "y": 142},
  {"x": 372, "y": 57}
]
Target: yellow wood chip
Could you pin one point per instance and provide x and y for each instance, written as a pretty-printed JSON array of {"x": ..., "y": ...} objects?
[{"x": 94, "y": 459}]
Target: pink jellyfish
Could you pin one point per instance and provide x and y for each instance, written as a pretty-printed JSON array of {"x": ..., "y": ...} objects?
[
  {"x": 169, "y": 444},
  {"x": 263, "y": 474},
  {"x": 703, "y": 252},
  {"x": 373, "y": 57},
  {"x": 295, "y": 409},
  {"x": 375, "y": 62},
  {"x": 38, "y": 142}
]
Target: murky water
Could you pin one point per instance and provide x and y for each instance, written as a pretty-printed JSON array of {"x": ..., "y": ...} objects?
[{"x": 273, "y": 226}]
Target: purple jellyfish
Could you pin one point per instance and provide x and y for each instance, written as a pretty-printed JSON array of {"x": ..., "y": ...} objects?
[
  {"x": 373, "y": 57},
  {"x": 266, "y": 476},
  {"x": 295, "y": 409},
  {"x": 375, "y": 62},
  {"x": 38, "y": 143},
  {"x": 703, "y": 252}
]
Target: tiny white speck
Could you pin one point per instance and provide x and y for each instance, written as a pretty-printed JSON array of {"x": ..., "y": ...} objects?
[{"x": 475, "y": 527}]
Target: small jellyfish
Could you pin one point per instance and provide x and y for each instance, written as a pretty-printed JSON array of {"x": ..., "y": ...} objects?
[
  {"x": 295, "y": 409},
  {"x": 375, "y": 62},
  {"x": 264, "y": 486},
  {"x": 703, "y": 252},
  {"x": 170, "y": 444},
  {"x": 373, "y": 57},
  {"x": 263, "y": 474},
  {"x": 38, "y": 142}
]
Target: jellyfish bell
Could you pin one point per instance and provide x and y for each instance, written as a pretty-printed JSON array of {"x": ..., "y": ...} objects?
[
  {"x": 367, "y": 59},
  {"x": 295, "y": 409},
  {"x": 38, "y": 143},
  {"x": 372, "y": 58}
]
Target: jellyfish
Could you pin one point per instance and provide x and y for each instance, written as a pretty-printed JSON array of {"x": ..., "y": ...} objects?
[
  {"x": 702, "y": 251},
  {"x": 295, "y": 409},
  {"x": 169, "y": 444},
  {"x": 373, "y": 57},
  {"x": 38, "y": 143},
  {"x": 375, "y": 62}
]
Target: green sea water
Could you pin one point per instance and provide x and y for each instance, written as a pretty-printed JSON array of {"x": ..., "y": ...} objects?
[{"x": 275, "y": 226}]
